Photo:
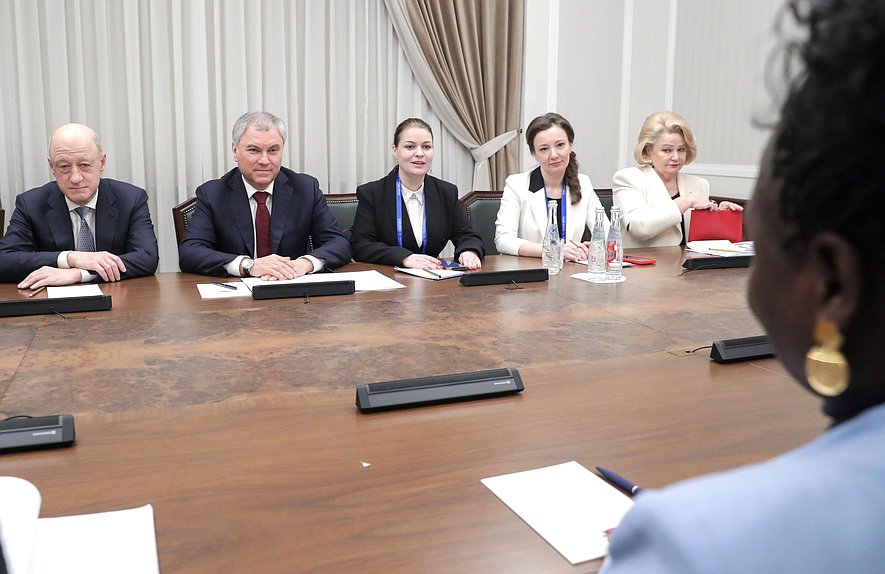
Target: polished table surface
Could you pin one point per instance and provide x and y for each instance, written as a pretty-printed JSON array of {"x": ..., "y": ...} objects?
[{"x": 235, "y": 418}]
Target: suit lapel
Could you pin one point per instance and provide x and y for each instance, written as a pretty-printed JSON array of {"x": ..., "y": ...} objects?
[
  {"x": 432, "y": 207},
  {"x": 240, "y": 211},
  {"x": 539, "y": 209},
  {"x": 106, "y": 213},
  {"x": 571, "y": 218},
  {"x": 59, "y": 219},
  {"x": 388, "y": 201},
  {"x": 657, "y": 184},
  {"x": 538, "y": 199},
  {"x": 283, "y": 200}
]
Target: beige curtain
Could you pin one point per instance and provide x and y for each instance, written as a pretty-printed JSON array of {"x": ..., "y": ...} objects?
[{"x": 467, "y": 56}]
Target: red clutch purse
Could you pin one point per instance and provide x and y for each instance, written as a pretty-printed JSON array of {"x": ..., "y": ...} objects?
[{"x": 725, "y": 224}]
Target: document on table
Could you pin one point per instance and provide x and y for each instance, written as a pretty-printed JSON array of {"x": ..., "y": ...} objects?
[
  {"x": 105, "y": 542},
  {"x": 87, "y": 290},
  {"x": 216, "y": 291},
  {"x": 435, "y": 275},
  {"x": 722, "y": 247},
  {"x": 587, "y": 262},
  {"x": 570, "y": 507},
  {"x": 363, "y": 280}
]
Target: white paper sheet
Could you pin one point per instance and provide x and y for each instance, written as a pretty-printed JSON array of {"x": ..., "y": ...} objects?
[
  {"x": 722, "y": 247},
  {"x": 363, "y": 280},
  {"x": 86, "y": 290},
  {"x": 214, "y": 291},
  {"x": 440, "y": 273},
  {"x": 19, "y": 508},
  {"x": 569, "y": 506},
  {"x": 100, "y": 543}
]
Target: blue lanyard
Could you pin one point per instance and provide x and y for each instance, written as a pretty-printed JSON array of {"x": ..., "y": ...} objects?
[
  {"x": 399, "y": 216},
  {"x": 562, "y": 210}
]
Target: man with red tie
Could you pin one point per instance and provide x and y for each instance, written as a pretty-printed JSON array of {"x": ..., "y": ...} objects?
[{"x": 261, "y": 219}]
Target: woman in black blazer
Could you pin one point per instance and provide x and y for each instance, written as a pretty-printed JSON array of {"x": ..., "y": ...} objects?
[{"x": 407, "y": 217}]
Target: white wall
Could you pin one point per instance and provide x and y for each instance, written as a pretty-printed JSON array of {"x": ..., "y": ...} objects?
[{"x": 606, "y": 65}]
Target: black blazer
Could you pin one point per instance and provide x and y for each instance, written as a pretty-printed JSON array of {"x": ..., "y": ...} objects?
[
  {"x": 373, "y": 238},
  {"x": 221, "y": 228},
  {"x": 40, "y": 229}
]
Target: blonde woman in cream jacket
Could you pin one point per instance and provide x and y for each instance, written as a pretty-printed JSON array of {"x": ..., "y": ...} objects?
[{"x": 656, "y": 200}]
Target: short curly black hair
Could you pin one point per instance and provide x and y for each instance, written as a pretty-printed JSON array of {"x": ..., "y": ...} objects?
[{"x": 827, "y": 152}]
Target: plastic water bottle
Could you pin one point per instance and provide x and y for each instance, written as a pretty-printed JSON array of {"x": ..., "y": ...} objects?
[
  {"x": 551, "y": 246},
  {"x": 614, "y": 248},
  {"x": 596, "y": 262}
]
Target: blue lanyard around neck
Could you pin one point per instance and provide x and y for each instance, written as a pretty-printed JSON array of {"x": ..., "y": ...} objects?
[
  {"x": 562, "y": 209},
  {"x": 399, "y": 217}
]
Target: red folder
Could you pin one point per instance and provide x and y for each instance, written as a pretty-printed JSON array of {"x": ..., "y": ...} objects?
[{"x": 723, "y": 224}]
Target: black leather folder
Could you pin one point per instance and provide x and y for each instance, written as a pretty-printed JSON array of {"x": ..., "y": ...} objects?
[{"x": 695, "y": 262}]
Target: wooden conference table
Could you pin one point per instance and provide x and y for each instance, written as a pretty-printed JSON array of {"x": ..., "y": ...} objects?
[{"x": 235, "y": 418}]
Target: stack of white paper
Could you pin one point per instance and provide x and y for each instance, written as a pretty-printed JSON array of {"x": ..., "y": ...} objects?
[
  {"x": 435, "y": 275},
  {"x": 89, "y": 290},
  {"x": 106, "y": 542},
  {"x": 363, "y": 280},
  {"x": 722, "y": 247}
]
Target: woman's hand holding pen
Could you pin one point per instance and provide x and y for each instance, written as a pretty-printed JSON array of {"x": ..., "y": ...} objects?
[{"x": 574, "y": 251}]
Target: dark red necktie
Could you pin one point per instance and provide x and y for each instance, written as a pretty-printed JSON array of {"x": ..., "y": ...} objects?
[{"x": 262, "y": 225}]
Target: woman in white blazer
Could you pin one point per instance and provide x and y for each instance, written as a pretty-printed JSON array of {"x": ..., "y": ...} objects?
[
  {"x": 655, "y": 198},
  {"x": 522, "y": 217}
]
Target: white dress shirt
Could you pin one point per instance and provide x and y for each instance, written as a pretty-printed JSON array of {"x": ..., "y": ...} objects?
[{"x": 414, "y": 201}]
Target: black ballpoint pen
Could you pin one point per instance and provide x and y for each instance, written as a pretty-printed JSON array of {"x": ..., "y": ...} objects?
[
  {"x": 225, "y": 285},
  {"x": 619, "y": 481}
]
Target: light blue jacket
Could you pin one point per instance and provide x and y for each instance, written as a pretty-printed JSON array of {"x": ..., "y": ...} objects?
[{"x": 819, "y": 508}]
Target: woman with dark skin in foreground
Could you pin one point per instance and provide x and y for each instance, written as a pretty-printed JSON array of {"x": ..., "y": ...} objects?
[{"x": 817, "y": 284}]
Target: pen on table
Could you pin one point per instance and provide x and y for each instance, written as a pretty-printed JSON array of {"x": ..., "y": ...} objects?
[
  {"x": 619, "y": 481},
  {"x": 578, "y": 245},
  {"x": 725, "y": 250},
  {"x": 225, "y": 285},
  {"x": 37, "y": 290},
  {"x": 435, "y": 274}
]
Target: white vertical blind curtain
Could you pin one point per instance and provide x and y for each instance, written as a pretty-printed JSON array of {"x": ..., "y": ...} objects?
[{"x": 162, "y": 82}]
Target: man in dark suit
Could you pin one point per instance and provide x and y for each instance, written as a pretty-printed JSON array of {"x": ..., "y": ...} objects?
[
  {"x": 260, "y": 219},
  {"x": 80, "y": 227}
]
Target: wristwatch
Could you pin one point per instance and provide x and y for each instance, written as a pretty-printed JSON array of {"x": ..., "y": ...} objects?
[{"x": 246, "y": 265}]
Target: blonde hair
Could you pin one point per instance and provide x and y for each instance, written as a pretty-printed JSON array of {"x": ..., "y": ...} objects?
[{"x": 658, "y": 124}]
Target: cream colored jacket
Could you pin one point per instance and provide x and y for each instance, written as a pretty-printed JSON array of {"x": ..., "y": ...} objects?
[
  {"x": 649, "y": 216},
  {"x": 522, "y": 216}
]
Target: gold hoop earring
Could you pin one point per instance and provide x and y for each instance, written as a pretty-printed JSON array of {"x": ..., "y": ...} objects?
[{"x": 825, "y": 366}]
